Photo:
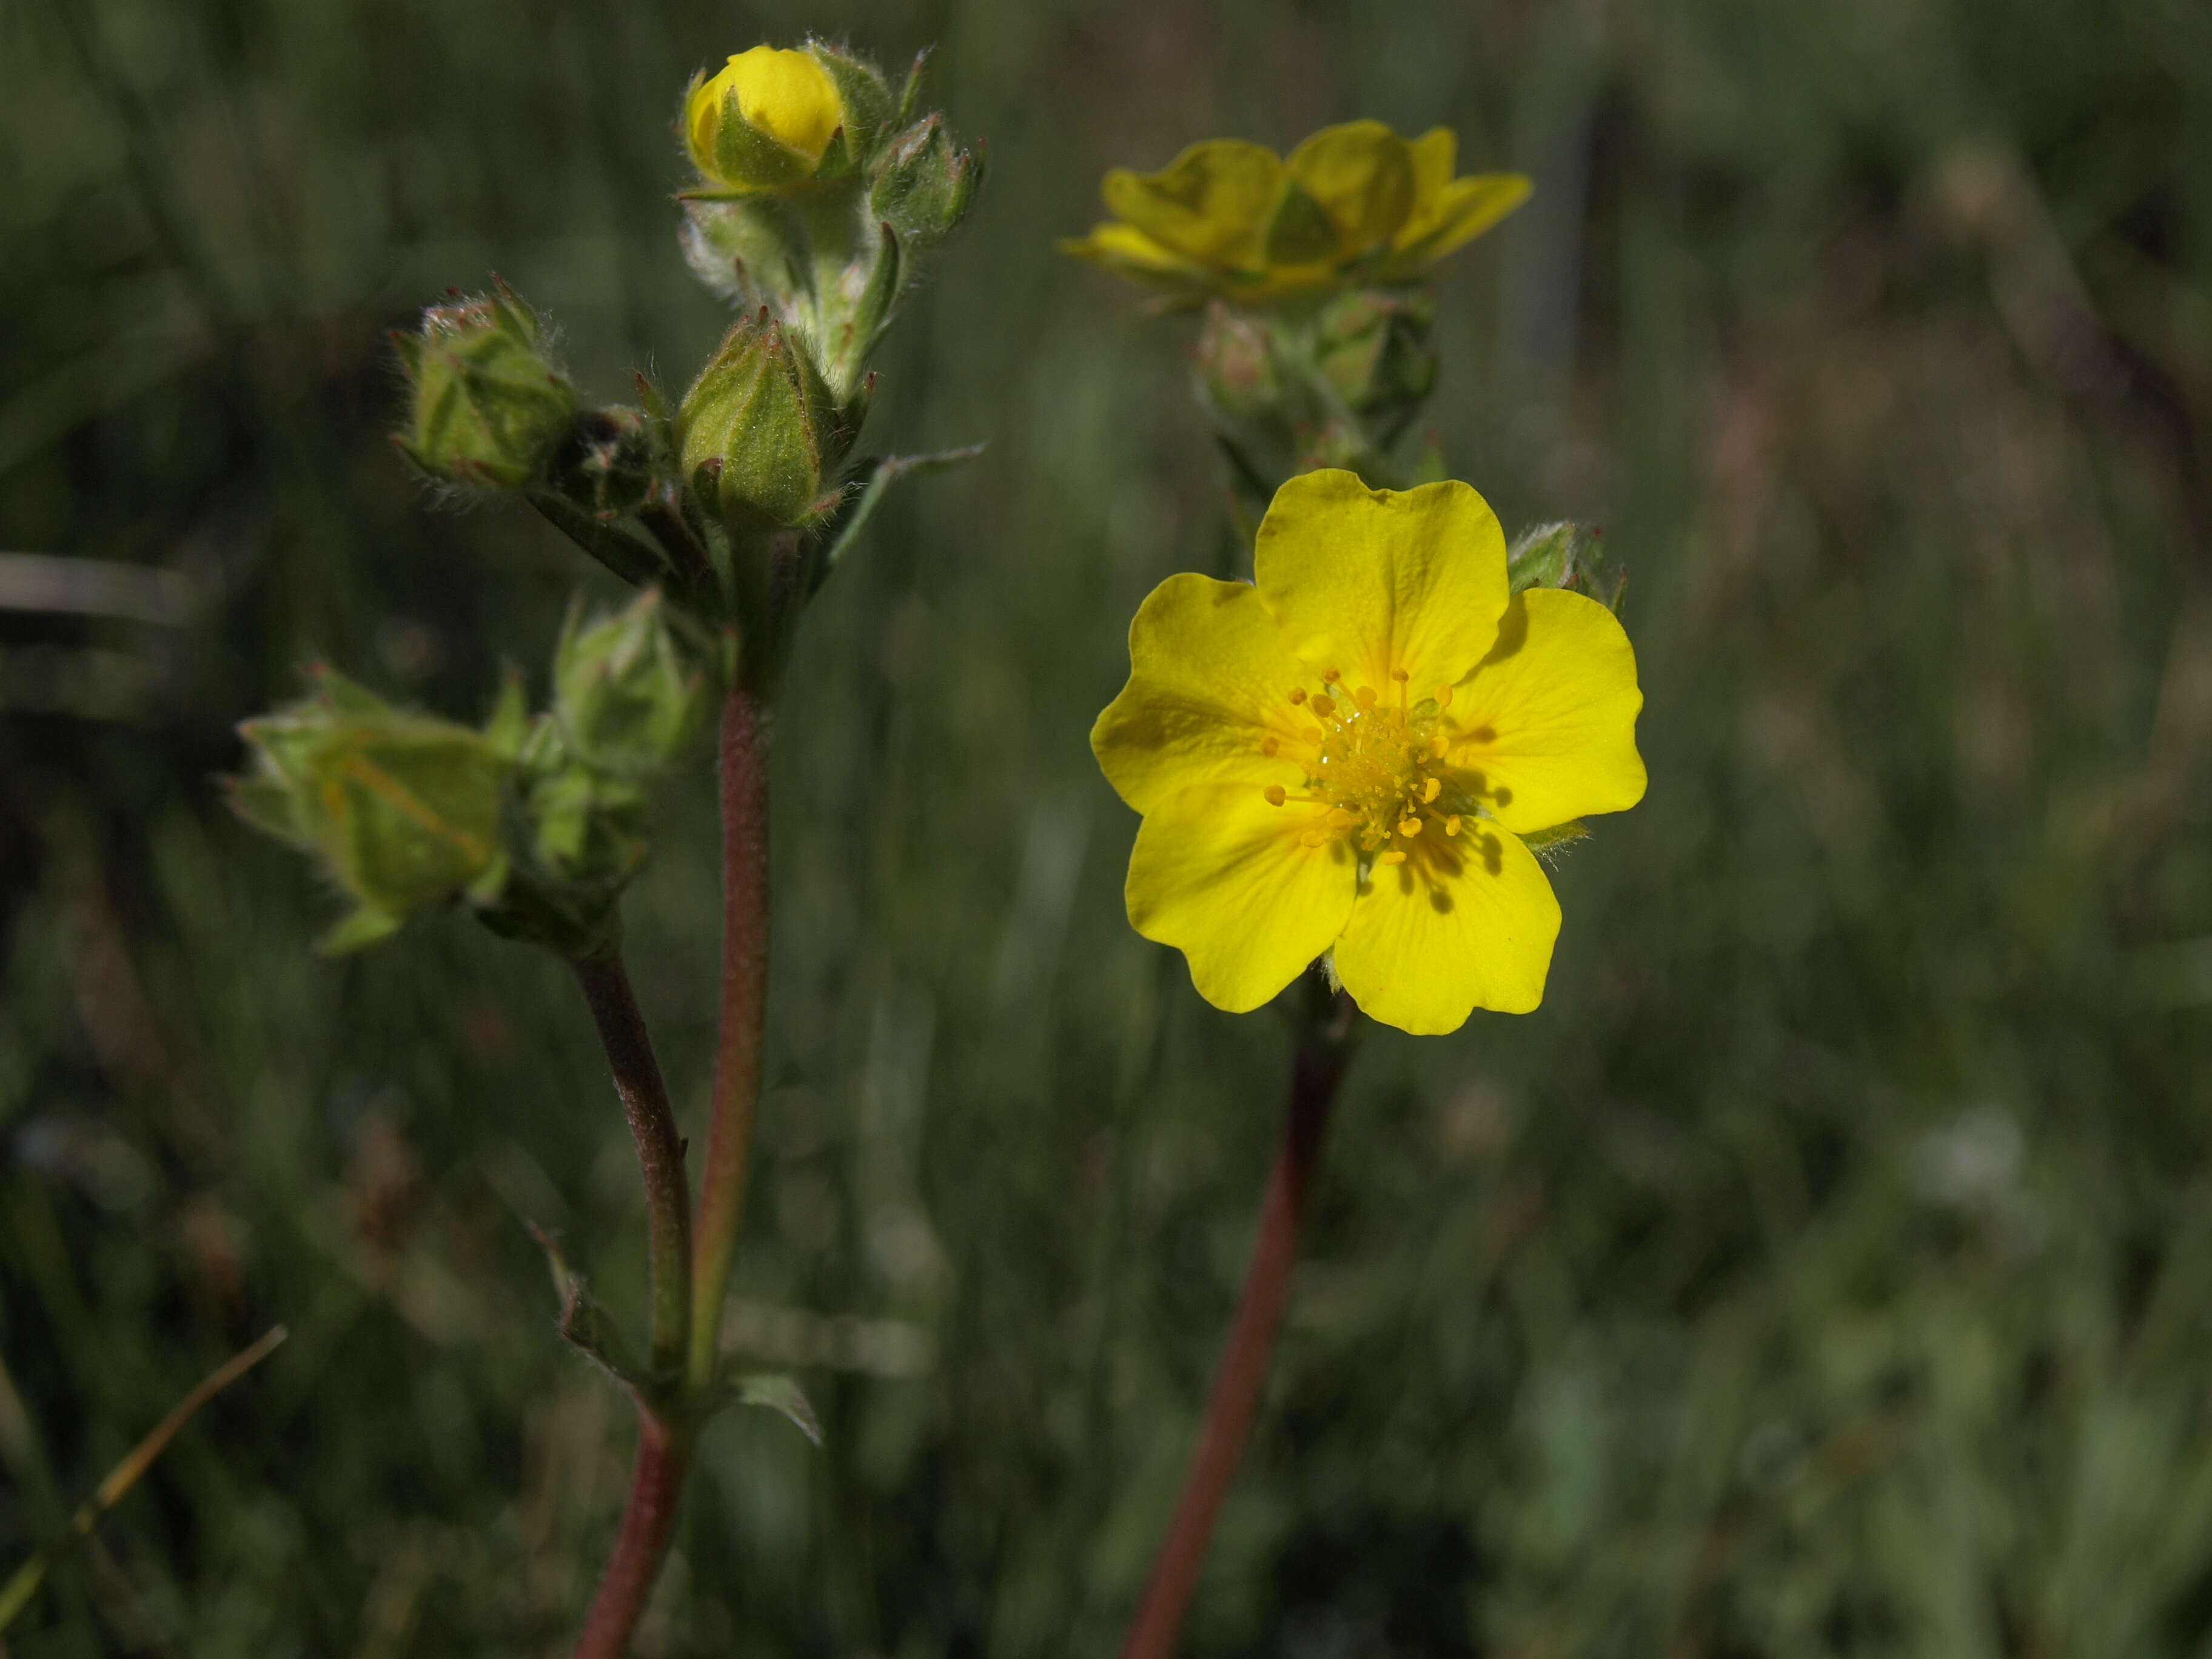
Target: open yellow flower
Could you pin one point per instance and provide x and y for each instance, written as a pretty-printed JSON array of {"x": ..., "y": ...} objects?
[
  {"x": 1344, "y": 756},
  {"x": 766, "y": 120},
  {"x": 1353, "y": 204}
]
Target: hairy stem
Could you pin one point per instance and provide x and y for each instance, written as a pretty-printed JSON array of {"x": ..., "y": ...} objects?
[
  {"x": 745, "y": 757},
  {"x": 1323, "y": 1051},
  {"x": 649, "y": 1527},
  {"x": 606, "y": 987}
]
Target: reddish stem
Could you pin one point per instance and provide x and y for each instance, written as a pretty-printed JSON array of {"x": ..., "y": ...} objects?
[
  {"x": 1322, "y": 1054},
  {"x": 745, "y": 759},
  {"x": 649, "y": 1527}
]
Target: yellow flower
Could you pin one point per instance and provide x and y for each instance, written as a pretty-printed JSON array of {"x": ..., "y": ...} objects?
[
  {"x": 1353, "y": 204},
  {"x": 767, "y": 119},
  {"x": 1346, "y": 755}
]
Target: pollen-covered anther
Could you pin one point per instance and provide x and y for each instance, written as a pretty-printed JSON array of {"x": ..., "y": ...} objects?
[
  {"x": 1323, "y": 706},
  {"x": 1400, "y": 675},
  {"x": 1392, "y": 857},
  {"x": 1297, "y": 695},
  {"x": 1271, "y": 746},
  {"x": 1443, "y": 696},
  {"x": 1430, "y": 790},
  {"x": 1314, "y": 838},
  {"x": 1409, "y": 827},
  {"x": 1275, "y": 794},
  {"x": 1331, "y": 675},
  {"x": 1451, "y": 824}
]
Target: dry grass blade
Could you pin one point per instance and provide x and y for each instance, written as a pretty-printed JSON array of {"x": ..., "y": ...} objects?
[{"x": 126, "y": 1475}]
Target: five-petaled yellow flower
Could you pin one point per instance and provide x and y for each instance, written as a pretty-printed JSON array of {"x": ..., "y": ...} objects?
[
  {"x": 1344, "y": 756},
  {"x": 1353, "y": 204},
  {"x": 765, "y": 120}
]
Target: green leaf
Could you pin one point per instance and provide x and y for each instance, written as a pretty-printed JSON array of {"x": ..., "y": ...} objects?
[
  {"x": 865, "y": 493},
  {"x": 585, "y": 1324},
  {"x": 777, "y": 1392}
]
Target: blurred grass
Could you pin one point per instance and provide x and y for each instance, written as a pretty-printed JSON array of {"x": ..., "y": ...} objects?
[{"x": 1824, "y": 1270}]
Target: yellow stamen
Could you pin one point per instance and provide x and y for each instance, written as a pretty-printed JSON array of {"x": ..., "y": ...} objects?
[
  {"x": 1331, "y": 675},
  {"x": 1443, "y": 696},
  {"x": 1340, "y": 819},
  {"x": 1323, "y": 707},
  {"x": 1314, "y": 838},
  {"x": 1364, "y": 696},
  {"x": 1270, "y": 745},
  {"x": 1431, "y": 789},
  {"x": 1400, "y": 674},
  {"x": 1274, "y": 794},
  {"x": 1409, "y": 827},
  {"x": 1298, "y": 694},
  {"x": 1393, "y": 857},
  {"x": 1451, "y": 824}
]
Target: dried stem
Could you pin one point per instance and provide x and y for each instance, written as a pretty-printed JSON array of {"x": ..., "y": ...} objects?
[{"x": 1323, "y": 1052}]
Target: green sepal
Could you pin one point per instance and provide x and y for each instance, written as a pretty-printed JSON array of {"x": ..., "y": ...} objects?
[
  {"x": 1566, "y": 555},
  {"x": 923, "y": 185},
  {"x": 489, "y": 402},
  {"x": 363, "y": 928},
  {"x": 1548, "y": 844},
  {"x": 749, "y": 157},
  {"x": 910, "y": 89},
  {"x": 861, "y": 87},
  {"x": 1301, "y": 233}
]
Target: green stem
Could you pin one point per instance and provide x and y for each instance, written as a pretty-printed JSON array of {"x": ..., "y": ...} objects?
[
  {"x": 744, "y": 758},
  {"x": 606, "y": 984},
  {"x": 1324, "y": 1050}
]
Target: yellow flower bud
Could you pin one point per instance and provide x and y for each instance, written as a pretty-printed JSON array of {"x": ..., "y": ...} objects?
[{"x": 766, "y": 120}]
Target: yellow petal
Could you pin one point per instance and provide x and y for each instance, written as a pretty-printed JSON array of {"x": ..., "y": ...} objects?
[
  {"x": 1461, "y": 211},
  {"x": 1362, "y": 175},
  {"x": 1210, "y": 204},
  {"x": 1222, "y": 876},
  {"x": 1550, "y": 714},
  {"x": 1126, "y": 249},
  {"x": 786, "y": 95},
  {"x": 1434, "y": 155},
  {"x": 1372, "y": 581},
  {"x": 1210, "y": 680},
  {"x": 1464, "y": 923}
]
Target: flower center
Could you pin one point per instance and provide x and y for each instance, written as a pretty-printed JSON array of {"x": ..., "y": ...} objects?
[{"x": 1375, "y": 767}]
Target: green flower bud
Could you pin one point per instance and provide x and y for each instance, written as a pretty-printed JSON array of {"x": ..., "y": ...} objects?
[
  {"x": 403, "y": 809},
  {"x": 1567, "y": 555},
  {"x": 1236, "y": 365},
  {"x": 760, "y": 434},
  {"x": 921, "y": 185},
  {"x": 1375, "y": 350},
  {"x": 489, "y": 402},
  {"x": 628, "y": 690}
]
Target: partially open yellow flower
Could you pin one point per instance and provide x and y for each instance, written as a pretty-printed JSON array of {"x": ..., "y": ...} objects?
[
  {"x": 1346, "y": 755},
  {"x": 1354, "y": 202},
  {"x": 766, "y": 120}
]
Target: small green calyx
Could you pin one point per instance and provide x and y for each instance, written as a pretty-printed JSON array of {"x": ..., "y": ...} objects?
[
  {"x": 923, "y": 185},
  {"x": 1374, "y": 348},
  {"x": 760, "y": 434},
  {"x": 490, "y": 404},
  {"x": 1569, "y": 557},
  {"x": 403, "y": 809}
]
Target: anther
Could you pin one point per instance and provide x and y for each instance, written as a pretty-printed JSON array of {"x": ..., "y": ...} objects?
[
  {"x": 1275, "y": 793},
  {"x": 1364, "y": 696},
  {"x": 1431, "y": 789},
  {"x": 1400, "y": 674},
  {"x": 1409, "y": 827},
  {"x": 1298, "y": 694},
  {"x": 1340, "y": 819},
  {"x": 1440, "y": 745},
  {"x": 1323, "y": 706},
  {"x": 1313, "y": 838},
  {"x": 1270, "y": 745},
  {"x": 1392, "y": 857},
  {"x": 1443, "y": 696},
  {"x": 1331, "y": 675},
  {"x": 1451, "y": 824}
]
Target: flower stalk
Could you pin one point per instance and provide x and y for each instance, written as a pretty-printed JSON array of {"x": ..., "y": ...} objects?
[{"x": 1326, "y": 1032}]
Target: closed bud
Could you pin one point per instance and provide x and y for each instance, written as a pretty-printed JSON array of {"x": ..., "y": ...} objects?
[
  {"x": 490, "y": 404},
  {"x": 628, "y": 688},
  {"x": 768, "y": 120},
  {"x": 1567, "y": 555},
  {"x": 403, "y": 809},
  {"x": 759, "y": 434},
  {"x": 1236, "y": 363},
  {"x": 1375, "y": 350},
  {"x": 921, "y": 185}
]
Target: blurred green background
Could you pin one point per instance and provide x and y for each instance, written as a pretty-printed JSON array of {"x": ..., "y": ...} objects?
[{"x": 1827, "y": 1269}]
